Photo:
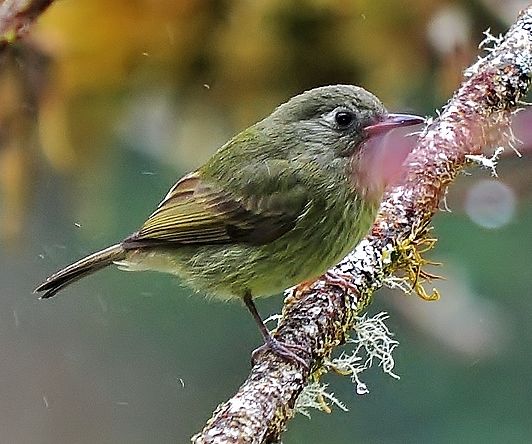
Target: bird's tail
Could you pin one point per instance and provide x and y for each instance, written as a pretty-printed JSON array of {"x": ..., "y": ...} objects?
[{"x": 79, "y": 269}]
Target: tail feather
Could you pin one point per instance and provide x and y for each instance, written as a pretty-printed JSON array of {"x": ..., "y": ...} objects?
[{"x": 79, "y": 269}]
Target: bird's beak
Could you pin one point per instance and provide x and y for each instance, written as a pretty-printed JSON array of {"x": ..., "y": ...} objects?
[{"x": 392, "y": 121}]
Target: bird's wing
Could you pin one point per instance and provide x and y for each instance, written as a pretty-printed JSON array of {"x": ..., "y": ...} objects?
[{"x": 197, "y": 212}]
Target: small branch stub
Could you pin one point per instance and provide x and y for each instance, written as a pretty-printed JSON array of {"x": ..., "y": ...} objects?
[{"x": 17, "y": 17}]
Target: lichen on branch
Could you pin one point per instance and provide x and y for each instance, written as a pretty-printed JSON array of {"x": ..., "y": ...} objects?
[{"x": 317, "y": 317}]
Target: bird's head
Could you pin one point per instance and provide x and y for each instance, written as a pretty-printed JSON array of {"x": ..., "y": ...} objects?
[{"x": 339, "y": 123}]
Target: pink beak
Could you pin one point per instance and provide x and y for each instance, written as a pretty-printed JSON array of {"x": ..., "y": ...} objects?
[{"x": 392, "y": 121}]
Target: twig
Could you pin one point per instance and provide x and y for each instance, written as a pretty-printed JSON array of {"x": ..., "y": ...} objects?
[
  {"x": 318, "y": 317},
  {"x": 17, "y": 16}
]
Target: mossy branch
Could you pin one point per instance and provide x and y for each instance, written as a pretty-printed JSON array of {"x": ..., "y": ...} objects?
[{"x": 317, "y": 317}]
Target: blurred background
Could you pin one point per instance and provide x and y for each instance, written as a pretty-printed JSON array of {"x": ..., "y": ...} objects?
[{"x": 107, "y": 103}]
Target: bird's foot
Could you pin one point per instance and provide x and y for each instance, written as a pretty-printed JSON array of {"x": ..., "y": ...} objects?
[
  {"x": 281, "y": 349},
  {"x": 344, "y": 281}
]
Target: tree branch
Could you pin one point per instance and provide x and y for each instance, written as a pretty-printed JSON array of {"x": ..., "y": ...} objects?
[
  {"x": 17, "y": 16},
  {"x": 317, "y": 317}
]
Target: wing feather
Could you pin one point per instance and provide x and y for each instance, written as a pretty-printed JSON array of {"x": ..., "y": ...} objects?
[{"x": 196, "y": 212}]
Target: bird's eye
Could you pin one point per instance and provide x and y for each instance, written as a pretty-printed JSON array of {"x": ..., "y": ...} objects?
[{"x": 344, "y": 118}]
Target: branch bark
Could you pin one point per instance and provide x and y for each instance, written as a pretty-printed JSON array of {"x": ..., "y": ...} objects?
[
  {"x": 317, "y": 317},
  {"x": 17, "y": 17}
]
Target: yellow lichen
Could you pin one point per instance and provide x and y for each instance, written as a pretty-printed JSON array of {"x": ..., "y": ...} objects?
[{"x": 410, "y": 258}]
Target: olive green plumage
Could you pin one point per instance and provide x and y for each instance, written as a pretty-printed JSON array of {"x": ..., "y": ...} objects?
[{"x": 278, "y": 204}]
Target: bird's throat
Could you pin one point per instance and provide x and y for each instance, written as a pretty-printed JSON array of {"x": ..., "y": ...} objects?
[{"x": 366, "y": 175}]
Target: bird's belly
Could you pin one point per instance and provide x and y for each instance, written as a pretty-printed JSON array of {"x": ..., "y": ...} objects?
[{"x": 228, "y": 271}]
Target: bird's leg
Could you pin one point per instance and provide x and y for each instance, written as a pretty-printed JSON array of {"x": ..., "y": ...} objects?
[{"x": 270, "y": 343}]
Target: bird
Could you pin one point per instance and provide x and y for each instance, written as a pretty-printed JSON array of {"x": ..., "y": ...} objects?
[{"x": 278, "y": 204}]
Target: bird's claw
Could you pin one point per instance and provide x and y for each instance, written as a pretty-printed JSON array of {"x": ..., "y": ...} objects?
[
  {"x": 344, "y": 281},
  {"x": 281, "y": 349}
]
